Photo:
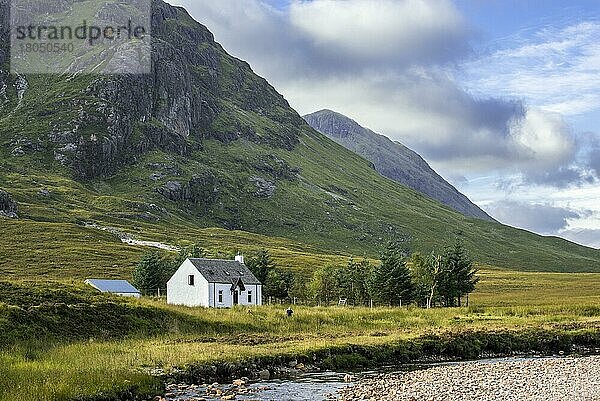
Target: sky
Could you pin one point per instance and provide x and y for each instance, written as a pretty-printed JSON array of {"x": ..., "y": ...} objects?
[{"x": 502, "y": 97}]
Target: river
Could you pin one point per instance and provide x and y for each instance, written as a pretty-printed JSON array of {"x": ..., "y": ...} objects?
[{"x": 547, "y": 379}]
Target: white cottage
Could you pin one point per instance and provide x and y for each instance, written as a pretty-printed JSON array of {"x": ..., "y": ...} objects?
[{"x": 214, "y": 283}]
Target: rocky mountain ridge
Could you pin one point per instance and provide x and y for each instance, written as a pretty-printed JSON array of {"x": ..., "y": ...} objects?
[{"x": 393, "y": 160}]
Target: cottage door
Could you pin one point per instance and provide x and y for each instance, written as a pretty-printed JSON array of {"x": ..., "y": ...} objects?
[{"x": 236, "y": 297}]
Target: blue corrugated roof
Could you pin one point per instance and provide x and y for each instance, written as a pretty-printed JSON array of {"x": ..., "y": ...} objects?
[{"x": 113, "y": 286}]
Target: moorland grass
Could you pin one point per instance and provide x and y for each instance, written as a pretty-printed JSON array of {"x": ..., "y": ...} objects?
[{"x": 75, "y": 343}]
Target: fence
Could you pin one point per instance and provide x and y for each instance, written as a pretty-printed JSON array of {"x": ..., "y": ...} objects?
[{"x": 161, "y": 293}]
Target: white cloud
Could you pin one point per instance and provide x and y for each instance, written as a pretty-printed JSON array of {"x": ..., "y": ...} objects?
[
  {"x": 555, "y": 69},
  {"x": 549, "y": 218},
  {"x": 589, "y": 237},
  {"x": 330, "y": 38},
  {"x": 429, "y": 112},
  {"x": 409, "y": 31},
  {"x": 544, "y": 137}
]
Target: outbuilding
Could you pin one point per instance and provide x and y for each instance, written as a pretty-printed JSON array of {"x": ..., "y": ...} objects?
[
  {"x": 214, "y": 283},
  {"x": 116, "y": 287}
]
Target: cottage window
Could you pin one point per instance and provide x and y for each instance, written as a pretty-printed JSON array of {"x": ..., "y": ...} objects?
[
  {"x": 250, "y": 296},
  {"x": 191, "y": 279},
  {"x": 220, "y": 296}
]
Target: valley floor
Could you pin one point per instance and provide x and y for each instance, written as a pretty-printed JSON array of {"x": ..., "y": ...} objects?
[{"x": 61, "y": 341}]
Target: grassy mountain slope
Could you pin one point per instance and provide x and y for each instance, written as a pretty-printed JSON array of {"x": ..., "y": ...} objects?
[
  {"x": 393, "y": 160},
  {"x": 200, "y": 143}
]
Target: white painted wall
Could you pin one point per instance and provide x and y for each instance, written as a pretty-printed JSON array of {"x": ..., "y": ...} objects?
[
  {"x": 179, "y": 292},
  {"x": 206, "y": 294},
  {"x": 214, "y": 289},
  {"x": 259, "y": 292}
]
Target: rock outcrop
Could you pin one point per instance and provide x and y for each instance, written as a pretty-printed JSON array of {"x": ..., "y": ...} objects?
[
  {"x": 200, "y": 189},
  {"x": 195, "y": 91},
  {"x": 264, "y": 188},
  {"x": 8, "y": 207}
]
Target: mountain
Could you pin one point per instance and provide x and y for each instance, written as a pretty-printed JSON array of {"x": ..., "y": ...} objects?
[
  {"x": 393, "y": 160},
  {"x": 204, "y": 150}
]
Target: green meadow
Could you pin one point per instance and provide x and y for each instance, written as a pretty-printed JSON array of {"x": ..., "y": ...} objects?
[
  {"x": 63, "y": 341},
  {"x": 60, "y": 340}
]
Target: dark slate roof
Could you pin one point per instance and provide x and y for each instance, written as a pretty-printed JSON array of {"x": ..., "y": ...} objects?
[
  {"x": 239, "y": 283},
  {"x": 113, "y": 286},
  {"x": 224, "y": 271}
]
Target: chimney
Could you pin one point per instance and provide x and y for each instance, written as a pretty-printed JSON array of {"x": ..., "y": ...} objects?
[{"x": 239, "y": 258}]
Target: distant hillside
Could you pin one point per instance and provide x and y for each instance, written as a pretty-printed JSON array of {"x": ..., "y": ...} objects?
[
  {"x": 203, "y": 143},
  {"x": 393, "y": 160}
]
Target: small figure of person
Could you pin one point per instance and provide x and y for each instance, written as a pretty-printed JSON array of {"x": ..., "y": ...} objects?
[{"x": 289, "y": 312}]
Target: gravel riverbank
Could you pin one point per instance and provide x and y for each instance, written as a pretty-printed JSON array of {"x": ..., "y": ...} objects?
[{"x": 547, "y": 379}]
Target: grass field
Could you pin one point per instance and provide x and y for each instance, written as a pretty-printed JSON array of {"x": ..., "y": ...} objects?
[
  {"x": 52, "y": 329},
  {"x": 63, "y": 326},
  {"x": 65, "y": 251},
  {"x": 499, "y": 287}
]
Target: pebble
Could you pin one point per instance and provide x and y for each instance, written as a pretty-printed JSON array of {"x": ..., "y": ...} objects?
[{"x": 539, "y": 379}]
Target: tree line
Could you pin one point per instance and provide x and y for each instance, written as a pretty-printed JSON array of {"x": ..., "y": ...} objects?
[{"x": 401, "y": 277}]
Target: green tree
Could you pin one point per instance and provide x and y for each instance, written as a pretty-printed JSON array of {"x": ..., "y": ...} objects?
[
  {"x": 324, "y": 285},
  {"x": 261, "y": 265},
  {"x": 420, "y": 276},
  {"x": 459, "y": 276},
  {"x": 299, "y": 288},
  {"x": 352, "y": 281},
  {"x": 392, "y": 281},
  {"x": 149, "y": 272},
  {"x": 427, "y": 274},
  {"x": 278, "y": 284}
]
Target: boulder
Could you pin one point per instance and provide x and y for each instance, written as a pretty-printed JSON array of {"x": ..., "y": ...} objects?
[
  {"x": 172, "y": 190},
  {"x": 264, "y": 374},
  {"x": 8, "y": 207},
  {"x": 264, "y": 188}
]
